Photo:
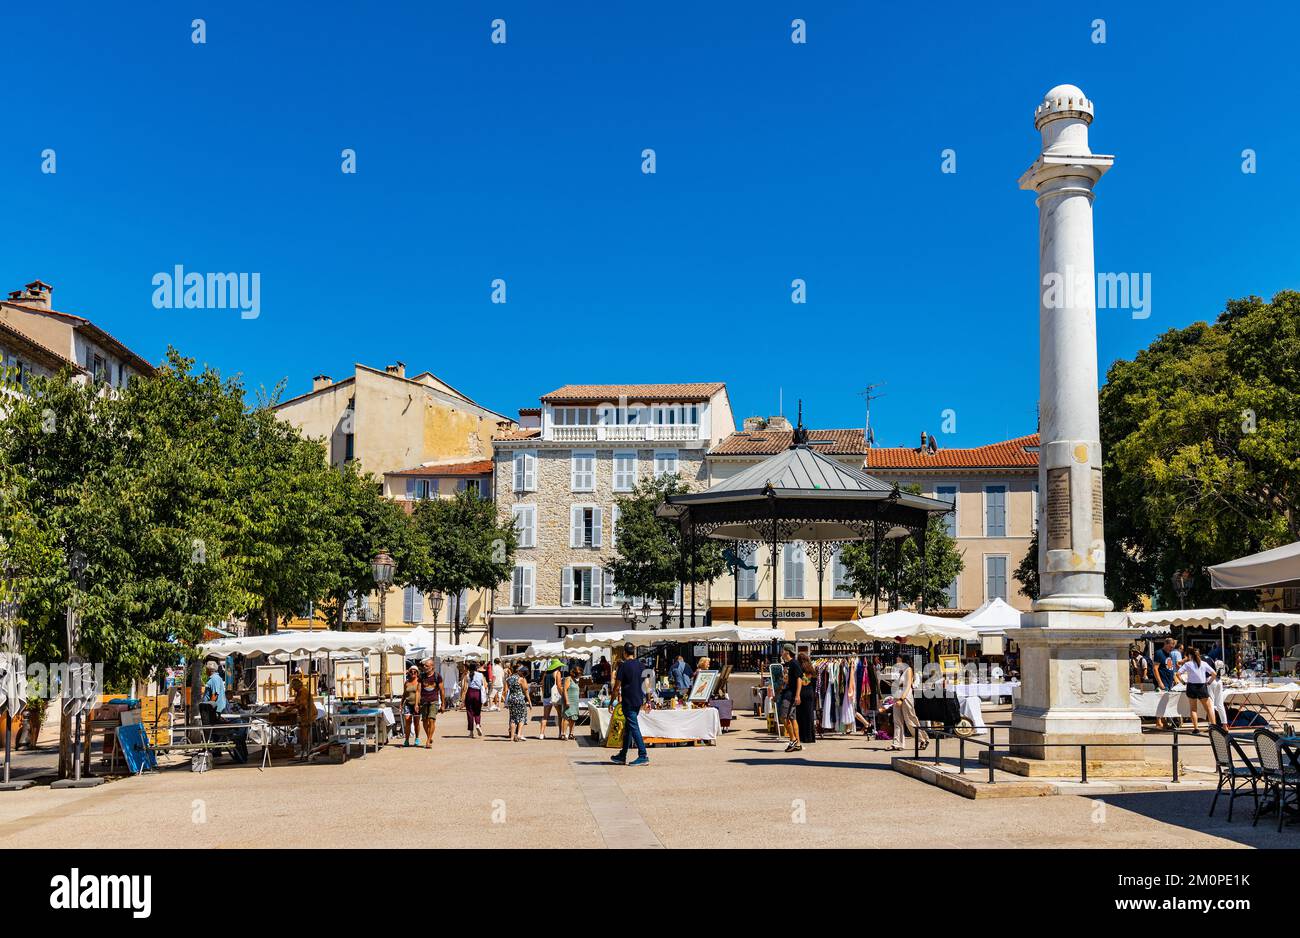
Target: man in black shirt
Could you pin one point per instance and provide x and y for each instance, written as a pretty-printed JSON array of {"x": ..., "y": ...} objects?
[
  {"x": 785, "y": 696},
  {"x": 627, "y": 680}
]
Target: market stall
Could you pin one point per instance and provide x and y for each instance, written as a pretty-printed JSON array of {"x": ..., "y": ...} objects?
[
  {"x": 1266, "y": 700},
  {"x": 665, "y": 726},
  {"x": 333, "y": 674},
  {"x": 1239, "y": 625}
]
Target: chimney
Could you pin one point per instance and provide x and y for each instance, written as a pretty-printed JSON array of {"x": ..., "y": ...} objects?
[
  {"x": 778, "y": 423},
  {"x": 397, "y": 369},
  {"x": 923, "y": 441},
  {"x": 754, "y": 423},
  {"x": 321, "y": 381},
  {"x": 37, "y": 293}
]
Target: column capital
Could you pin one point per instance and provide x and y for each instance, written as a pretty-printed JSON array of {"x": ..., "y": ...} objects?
[{"x": 1049, "y": 166}]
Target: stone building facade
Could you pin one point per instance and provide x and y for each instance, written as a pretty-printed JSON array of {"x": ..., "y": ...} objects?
[
  {"x": 559, "y": 482},
  {"x": 422, "y": 438}
]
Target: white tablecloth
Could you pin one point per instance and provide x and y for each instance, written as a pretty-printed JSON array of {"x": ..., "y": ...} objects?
[
  {"x": 988, "y": 691},
  {"x": 971, "y": 710},
  {"x": 703, "y": 724},
  {"x": 1174, "y": 703}
]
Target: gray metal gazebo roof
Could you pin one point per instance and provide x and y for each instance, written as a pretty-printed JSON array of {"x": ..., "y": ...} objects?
[{"x": 811, "y": 496}]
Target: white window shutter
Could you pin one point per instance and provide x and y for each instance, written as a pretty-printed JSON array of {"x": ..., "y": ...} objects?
[
  {"x": 519, "y": 471},
  {"x": 406, "y": 603},
  {"x": 575, "y": 526},
  {"x": 528, "y": 586},
  {"x": 566, "y": 597},
  {"x": 573, "y": 472},
  {"x": 530, "y": 472},
  {"x": 609, "y": 589},
  {"x": 417, "y": 605},
  {"x": 597, "y": 524}
]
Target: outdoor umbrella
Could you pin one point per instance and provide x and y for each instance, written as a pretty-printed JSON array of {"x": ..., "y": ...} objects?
[
  {"x": 1277, "y": 567},
  {"x": 910, "y": 628}
]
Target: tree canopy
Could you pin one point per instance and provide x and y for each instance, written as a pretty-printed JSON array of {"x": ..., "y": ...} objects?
[
  {"x": 1201, "y": 440},
  {"x": 902, "y": 566},
  {"x": 649, "y": 560}
]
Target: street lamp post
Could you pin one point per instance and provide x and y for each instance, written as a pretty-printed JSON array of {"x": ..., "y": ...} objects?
[
  {"x": 634, "y": 618},
  {"x": 11, "y": 677},
  {"x": 382, "y": 568},
  {"x": 435, "y": 605},
  {"x": 1182, "y": 583}
]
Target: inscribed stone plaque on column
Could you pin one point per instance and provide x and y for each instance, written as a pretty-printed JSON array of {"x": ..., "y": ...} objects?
[
  {"x": 1098, "y": 527},
  {"x": 1057, "y": 513}
]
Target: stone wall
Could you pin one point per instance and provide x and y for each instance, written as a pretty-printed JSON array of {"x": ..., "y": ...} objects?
[{"x": 554, "y": 499}]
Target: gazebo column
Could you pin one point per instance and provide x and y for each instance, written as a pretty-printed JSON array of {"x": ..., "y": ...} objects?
[
  {"x": 925, "y": 577},
  {"x": 690, "y": 571},
  {"x": 876, "y": 538}
]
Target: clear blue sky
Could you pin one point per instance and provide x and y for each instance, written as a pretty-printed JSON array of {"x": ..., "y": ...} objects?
[{"x": 775, "y": 161}]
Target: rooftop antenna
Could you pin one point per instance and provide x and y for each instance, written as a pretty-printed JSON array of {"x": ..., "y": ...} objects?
[{"x": 868, "y": 393}]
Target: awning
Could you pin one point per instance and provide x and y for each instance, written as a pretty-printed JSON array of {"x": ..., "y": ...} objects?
[
  {"x": 993, "y": 618},
  {"x": 644, "y": 637},
  {"x": 910, "y": 628},
  {"x": 1277, "y": 567},
  {"x": 306, "y": 644},
  {"x": 1162, "y": 621},
  {"x": 555, "y": 649}
]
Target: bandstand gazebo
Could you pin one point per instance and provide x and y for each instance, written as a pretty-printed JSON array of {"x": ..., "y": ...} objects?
[{"x": 803, "y": 496}]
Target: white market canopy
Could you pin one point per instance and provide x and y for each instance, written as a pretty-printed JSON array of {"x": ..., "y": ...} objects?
[
  {"x": 993, "y": 618},
  {"x": 814, "y": 635},
  {"x": 554, "y": 649},
  {"x": 642, "y": 637},
  {"x": 1166, "y": 619},
  {"x": 1277, "y": 567},
  {"x": 910, "y": 628},
  {"x": 308, "y": 644},
  {"x": 459, "y": 652},
  {"x": 419, "y": 640}
]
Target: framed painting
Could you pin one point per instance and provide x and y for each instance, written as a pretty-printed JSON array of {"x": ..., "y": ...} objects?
[
  {"x": 272, "y": 683},
  {"x": 702, "y": 686},
  {"x": 349, "y": 678}
]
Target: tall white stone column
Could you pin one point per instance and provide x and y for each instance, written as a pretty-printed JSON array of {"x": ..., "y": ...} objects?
[
  {"x": 1074, "y": 650},
  {"x": 1071, "y": 548}
]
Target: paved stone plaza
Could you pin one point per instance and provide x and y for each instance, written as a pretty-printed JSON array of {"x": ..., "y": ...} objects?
[{"x": 744, "y": 792}]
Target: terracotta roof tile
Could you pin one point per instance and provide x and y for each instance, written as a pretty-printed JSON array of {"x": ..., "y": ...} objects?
[
  {"x": 1022, "y": 451},
  {"x": 771, "y": 442},
  {"x": 477, "y": 467},
  {"x": 634, "y": 392}
]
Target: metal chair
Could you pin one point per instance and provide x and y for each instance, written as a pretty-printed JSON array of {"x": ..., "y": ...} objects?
[
  {"x": 1277, "y": 775},
  {"x": 1235, "y": 769}
]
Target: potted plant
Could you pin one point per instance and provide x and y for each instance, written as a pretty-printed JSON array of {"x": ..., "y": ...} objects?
[{"x": 33, "y": 717}]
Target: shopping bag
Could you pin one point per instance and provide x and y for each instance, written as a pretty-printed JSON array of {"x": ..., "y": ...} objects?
[{"x": 616, "y": 726}]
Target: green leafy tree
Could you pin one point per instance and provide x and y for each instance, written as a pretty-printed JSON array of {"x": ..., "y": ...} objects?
[
  {"x": 1201, "y": 440},
  {"x": 901, "y": 580},
  {"x": 1027, "y": 571},
  {"x": 365, "y": 523},
  {"x": 649, "y": 559}
]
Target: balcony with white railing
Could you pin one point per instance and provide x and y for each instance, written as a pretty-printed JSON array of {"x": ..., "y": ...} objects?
[{"x": 628, "y": 433}]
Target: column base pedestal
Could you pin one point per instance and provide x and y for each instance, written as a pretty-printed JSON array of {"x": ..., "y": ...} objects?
[{"x": 1075, "y": 692}]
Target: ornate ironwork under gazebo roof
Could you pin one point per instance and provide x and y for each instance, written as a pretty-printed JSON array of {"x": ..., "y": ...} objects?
[{"x": 801, "y": 495}]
